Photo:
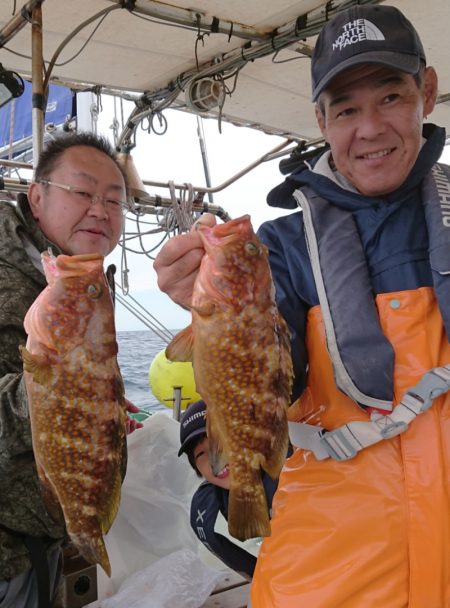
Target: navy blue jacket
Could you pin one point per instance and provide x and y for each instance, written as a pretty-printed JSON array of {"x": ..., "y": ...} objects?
[
  {"x": 206, "y": 504},
  {"x": 392, "y": 230}
]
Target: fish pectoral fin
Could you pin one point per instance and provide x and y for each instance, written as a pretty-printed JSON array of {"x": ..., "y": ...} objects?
[
  {"x": 181, "y": 348},
  {"x": 217, "y": 456},
  {"x": 248, "y": 513},
  {"x": 37, "y": 365},
  {"x": 204, "y": 311},
  {"x": 218, "y": 459}
]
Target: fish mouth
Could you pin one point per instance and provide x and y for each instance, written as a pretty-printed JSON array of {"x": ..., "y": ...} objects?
[
  {"x": 84, "y": 257},
  {"x": 223, "y": 474},
  {"x": 66, "y": 266},
  {"x": 229, "y": 227},
  {"x": 227, "y": 232}
]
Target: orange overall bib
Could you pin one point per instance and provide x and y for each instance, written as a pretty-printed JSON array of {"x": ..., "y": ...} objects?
[{"x": 373, "y": 531}]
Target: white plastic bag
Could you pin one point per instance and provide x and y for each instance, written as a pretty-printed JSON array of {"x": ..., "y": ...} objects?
[
  {"x": 180, "y": 580},
  {"x": 153, "y": 519}
]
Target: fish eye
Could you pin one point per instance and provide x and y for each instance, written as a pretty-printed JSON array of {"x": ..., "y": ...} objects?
[
  {"x": 94, "y": 290},
  {"x": 251, "y": 248}
]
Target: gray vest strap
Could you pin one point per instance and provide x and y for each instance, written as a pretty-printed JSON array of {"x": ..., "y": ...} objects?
[
  {"x": 346, "y": 441},
  {"x": 436, "y": 187},
  {"x": 362, "y": 357}
]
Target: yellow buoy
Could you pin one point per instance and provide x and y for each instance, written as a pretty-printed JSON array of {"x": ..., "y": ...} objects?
[{"x": 164, "y": 375}]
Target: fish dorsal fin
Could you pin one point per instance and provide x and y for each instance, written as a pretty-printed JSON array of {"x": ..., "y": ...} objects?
[
  {"x": 181, "y": 348},
  {"x": 37, "y": 365}
]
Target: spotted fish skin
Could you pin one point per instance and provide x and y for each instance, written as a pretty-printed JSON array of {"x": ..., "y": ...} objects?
[
  {"x": 76, "y": 400},
  {"x": 240, "y": 348}
]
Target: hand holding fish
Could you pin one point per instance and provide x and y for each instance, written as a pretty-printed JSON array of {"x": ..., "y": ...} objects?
[
  {"x": 178, "y": 262},
  {"x": 132, "y": 424}
]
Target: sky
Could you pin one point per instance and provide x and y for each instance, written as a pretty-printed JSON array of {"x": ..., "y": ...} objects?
[{"x": 176, "y": 156}]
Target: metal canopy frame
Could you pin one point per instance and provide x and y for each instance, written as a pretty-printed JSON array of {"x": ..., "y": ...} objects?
[{"x": 260, "y": 42}]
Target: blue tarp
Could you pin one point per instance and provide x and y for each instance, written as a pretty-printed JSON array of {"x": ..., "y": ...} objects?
[{"x": 60, "y": 105}]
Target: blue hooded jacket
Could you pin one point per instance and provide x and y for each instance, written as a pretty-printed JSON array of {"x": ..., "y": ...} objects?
[
  {"x": 392, "y": 230},
  {"x": 206, "y": 504}
]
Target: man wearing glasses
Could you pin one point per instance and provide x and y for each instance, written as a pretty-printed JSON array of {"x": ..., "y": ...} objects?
[
  {"x": 78, "y": 197},
  {"x": 75, "y": 206}
]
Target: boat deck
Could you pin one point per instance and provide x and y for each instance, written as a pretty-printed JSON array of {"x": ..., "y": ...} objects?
[{"x": 232, "y": 592}]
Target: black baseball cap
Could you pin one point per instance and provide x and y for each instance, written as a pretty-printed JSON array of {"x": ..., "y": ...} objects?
[
  {"x": 192, "y": 424},
  {"x": 365, "y": 34}
]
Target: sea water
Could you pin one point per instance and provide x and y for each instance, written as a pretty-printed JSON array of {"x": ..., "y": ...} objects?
[{"x": 136, "y": 352}]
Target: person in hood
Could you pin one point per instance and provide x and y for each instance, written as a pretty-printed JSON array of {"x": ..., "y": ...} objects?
[
  {"x": 211, "y": 497},
  {"x": 362, "y": 274}
]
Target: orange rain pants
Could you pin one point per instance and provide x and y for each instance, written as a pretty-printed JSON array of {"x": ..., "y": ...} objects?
[{"x": 373, "y": 531}]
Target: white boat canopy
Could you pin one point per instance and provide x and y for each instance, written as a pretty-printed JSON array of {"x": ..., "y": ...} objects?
[{"x": 247, "y": 61}]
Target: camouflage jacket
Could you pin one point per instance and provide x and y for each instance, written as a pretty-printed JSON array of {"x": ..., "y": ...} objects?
[{"x": 21, "y": 279}]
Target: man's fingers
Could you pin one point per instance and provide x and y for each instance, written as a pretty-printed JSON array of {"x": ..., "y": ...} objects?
[
  {"x": 131, "y": 407},
  {"x": 176, "y": 248},
  {"x": 183, "y": 268},
  {"x": 178, "y": 262},
  {"x": 131, "y": 425},
  {"x": 207, "y": 219},
  {"x": 177, "y": 280}
]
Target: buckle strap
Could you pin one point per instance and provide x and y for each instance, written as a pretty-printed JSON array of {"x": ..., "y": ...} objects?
[{"x": 346, "y": 441}]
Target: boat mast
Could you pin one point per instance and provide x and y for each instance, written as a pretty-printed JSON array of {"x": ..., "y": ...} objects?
[
  {"x": 202, "y": 142},
  {"x": 39, "y": 96}
]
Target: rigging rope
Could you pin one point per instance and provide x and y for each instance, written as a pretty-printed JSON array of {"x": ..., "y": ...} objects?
[
  {"x": 124, "y": 270},
  {"x": 182, "y": 207},
  {"x": 145, "y": 317}
]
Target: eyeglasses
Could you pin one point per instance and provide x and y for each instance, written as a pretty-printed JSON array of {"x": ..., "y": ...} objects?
[{"x": 113, "y": 206}]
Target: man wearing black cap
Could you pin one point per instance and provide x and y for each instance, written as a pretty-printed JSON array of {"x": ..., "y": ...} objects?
[
  {"x": 211, "y": 498},
  {"x": 361, "y": 515}
]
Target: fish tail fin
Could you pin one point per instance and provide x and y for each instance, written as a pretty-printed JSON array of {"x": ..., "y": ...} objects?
[
  {"x": 95, "y": 552},
  {"x": 275, "y": 462},
  {"x": 182, "y": 345},
  {"x": 248, "y": 513}
]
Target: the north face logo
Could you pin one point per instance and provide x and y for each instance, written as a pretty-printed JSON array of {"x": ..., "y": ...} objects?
[{"x": 355, "y": 31}]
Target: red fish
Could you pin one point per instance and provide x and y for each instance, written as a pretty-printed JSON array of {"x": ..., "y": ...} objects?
[
  {"x": 76, "y": 400},
  {"x": 239, "y": 345}
]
